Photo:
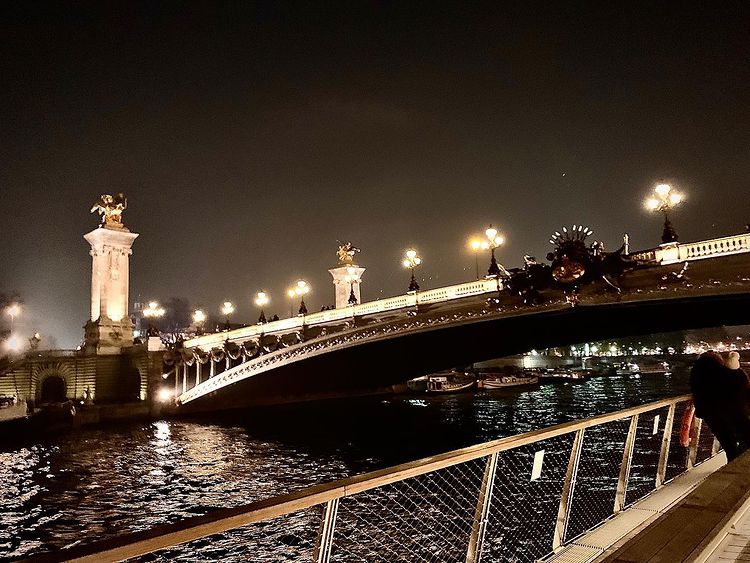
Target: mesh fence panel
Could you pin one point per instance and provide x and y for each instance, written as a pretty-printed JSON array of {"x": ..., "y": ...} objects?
[
  {"x": 424, "y": 518},
  {"x": 678, "y": 454},
  {"x": 429, "y": 518},
  {"x": 646, "y": 454},
  {"x": 288, "y": 538},
  {"x": 523, "y": 512},
  {"x": 598, "y": 473}
]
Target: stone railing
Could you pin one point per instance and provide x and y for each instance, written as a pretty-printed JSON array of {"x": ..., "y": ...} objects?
[
  {"x": 439, "y": 295},
  {"x": 673, "y": 253}
]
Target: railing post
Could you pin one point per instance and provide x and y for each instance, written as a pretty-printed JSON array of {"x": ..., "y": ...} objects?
[
  {"x": 695, "y": 437},
  {"x": 715, "y": 447},
  {"x": 566, "y": 496},
  {"x": 324, "y": 543},
  {"x": 627, "y": 458},
  {"x": 479, "y": 526},
  {"x": 212, "y": 369},
  {"x": 197, "y": 372},
  {"x": 184, "y": 377},
  {"x": 666, "y": 440}
]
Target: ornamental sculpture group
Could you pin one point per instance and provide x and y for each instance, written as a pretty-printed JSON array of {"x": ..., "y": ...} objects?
[
  {"x": 572, "y": 264},
  {"x": 110, "y": 208}
]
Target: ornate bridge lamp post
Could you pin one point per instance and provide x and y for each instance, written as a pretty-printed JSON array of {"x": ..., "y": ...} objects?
[
  {"x": 261, "y": 300},
  {"x": 199, "y": 320},
  {"x": 227, "y": 309},
  {"x": 411, "y": 261},
  {"x": 493, "y": 241},
  {"x": 153, "y": 311},
  {"x": 665, "y": 200},
  {"x": 300, "y": 289},
  {"x": 351, "y": 278}
]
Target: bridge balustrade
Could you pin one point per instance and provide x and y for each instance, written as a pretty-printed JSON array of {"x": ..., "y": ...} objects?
[
  {"x": 672, "y": 253},
  {"x": 373, "y": 307},
  {"x": 519, "y": 498}
]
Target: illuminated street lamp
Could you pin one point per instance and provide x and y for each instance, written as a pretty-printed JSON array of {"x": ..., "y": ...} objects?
[
  {"x": 352, "y": 277},
  {"x": 199, "y": 320},
  {"x": 664, "y": 200},
  {"x": 299, "y": 289},
  {"x": 491, "y": 242},
  {"x": 411, "y": 261},
  {"x": 261, "y": 300},
  {"x": 227, "y": 308},
  {"x": 13, "y": 344},
  {"x": 476, "y": 246},
  {"x": 153, "y": 311},
  {"x": 13, "y": 310}
]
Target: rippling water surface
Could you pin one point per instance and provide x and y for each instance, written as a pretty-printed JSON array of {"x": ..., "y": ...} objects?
[{"x": 96, "y": 483}]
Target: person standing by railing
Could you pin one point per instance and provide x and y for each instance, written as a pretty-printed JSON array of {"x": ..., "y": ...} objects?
[{"x": 720, "y": 397}]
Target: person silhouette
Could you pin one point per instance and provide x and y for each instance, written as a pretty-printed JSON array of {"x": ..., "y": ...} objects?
[{"x": 720, "y": 397}]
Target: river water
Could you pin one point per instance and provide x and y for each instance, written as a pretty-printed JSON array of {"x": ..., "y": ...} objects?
[{"x": 99, "y": 482}]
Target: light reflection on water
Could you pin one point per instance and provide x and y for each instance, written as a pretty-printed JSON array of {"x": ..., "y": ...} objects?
[{"x": 100, "y": 482}]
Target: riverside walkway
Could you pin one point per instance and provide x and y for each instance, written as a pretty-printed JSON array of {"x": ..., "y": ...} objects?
[{"x": 585, "y": 490}]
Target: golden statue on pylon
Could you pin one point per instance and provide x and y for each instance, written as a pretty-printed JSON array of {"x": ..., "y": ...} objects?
[
  {"x": 111, "y": 208},
  {"x": 346, "y": 253}
]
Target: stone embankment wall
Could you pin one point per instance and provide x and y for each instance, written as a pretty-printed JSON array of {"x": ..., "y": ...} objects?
[{"x": 121, "y": 378}]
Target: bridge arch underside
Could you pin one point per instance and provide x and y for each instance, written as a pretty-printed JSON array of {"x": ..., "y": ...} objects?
[{"x": 376, "y": 365}]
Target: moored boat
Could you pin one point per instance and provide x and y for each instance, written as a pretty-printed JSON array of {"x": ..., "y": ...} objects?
[
  {"x": 632, "y": 369},
  {"x": 449, "y": 382},
  {"x": 564, "y": 376},
  {"x": 503, "y": 381}
]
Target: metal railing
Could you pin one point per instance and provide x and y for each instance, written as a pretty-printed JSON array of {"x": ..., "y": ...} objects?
[
  {"x": 441, "y": 294},
  {"x": 518, "y": 498}
]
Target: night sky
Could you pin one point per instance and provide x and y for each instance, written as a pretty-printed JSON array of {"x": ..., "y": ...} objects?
[{"x": 250, "y": 139}]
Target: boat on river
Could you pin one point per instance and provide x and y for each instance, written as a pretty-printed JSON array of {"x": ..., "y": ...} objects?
[
  {"x": 564, "y": 376},
  {"x": 449, "y": 382},
  {"x": 491, "y": 381},
  {"x": 632, "y": 369}
]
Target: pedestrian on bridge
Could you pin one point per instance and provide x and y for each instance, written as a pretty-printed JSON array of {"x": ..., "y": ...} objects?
[{"x": 720, "y": 397}]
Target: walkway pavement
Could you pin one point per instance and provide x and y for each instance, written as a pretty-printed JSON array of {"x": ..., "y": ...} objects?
[{"x": 711, "y": 523}]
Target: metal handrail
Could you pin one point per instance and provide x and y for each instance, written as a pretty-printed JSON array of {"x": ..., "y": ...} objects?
[{"x": 148, "y": 541}]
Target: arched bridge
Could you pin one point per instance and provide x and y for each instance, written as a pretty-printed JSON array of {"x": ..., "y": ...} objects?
[{"x": 374, "y": 345}]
